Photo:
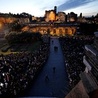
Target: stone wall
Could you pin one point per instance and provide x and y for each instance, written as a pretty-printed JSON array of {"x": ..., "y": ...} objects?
[
  {"x": 78, "y": 91},
  {"x": 59, "y": 31}
]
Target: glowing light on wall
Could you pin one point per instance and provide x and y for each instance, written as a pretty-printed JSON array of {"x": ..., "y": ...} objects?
[
  {"x": 52, "y": 16},
  {"x": 26, "y": 28},
  {"x": 72, "y": 19},
  {"x": 1, "y": 25}
]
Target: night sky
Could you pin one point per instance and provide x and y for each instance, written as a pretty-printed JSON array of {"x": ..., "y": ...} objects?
[{"x": 38, "y": 7}]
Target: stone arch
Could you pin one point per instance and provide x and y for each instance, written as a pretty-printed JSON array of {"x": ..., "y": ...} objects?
[
  {"x": 66, "y": 30},
  {"x": 74, "y": 30},
  {"x": 48, "y": 31},
  {"x": 60, "y": 32},
  {"x": 54, "y": 31}
]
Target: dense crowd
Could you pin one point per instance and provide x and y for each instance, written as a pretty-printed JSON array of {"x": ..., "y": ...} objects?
[
  {"x": 73, "y": 50},
  {"x": 18, "y": 70}
]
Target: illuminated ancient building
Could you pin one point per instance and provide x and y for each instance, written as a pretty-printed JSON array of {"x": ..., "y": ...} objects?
[
  {"x": 34, "y": 18},
  {"x": 1, "y": 24},
  {"x": 52, "y": 29},
  {"x": 50, "y": 15},
  {"x": 71, "y": 17},
  {"x": 23, "y": 20},
  {"x": 61, "y": 16},
  {"x": 52, "y": 23},
  {"x": 7, "y": 20}
]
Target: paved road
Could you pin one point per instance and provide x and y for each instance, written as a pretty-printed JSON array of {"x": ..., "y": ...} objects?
[{"x": 57, "y": 84}]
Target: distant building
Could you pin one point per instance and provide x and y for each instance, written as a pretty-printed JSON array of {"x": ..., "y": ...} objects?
[
  {"x": 72, "y": 17},
  {"x": 23, "y": 20},
  {"x": 81, "y": 20},
  {"x": 53, "y": 16},
  {"x": 61, "y": 16},
  {"x": 50, "y": 15},
  {"x": 96, "y": 19},
  {"x": 34, "y": 18}
]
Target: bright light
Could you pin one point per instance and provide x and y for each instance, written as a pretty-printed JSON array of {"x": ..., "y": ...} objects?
[
  {"x": 3, "y": 74},
  {"x": 1, "y": 84},
  {"x": 0, "y": 25},
  {"x": 52, "y": 16}
]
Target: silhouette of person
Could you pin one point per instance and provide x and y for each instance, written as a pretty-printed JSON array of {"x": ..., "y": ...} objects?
[
  {"x": 52, "y": 94},
  {"x": 52, "y": 41},
  {"x": 55, "y": 48},
  {"x": 54, "y": 69},
  {"x": 46, "y": 78}
]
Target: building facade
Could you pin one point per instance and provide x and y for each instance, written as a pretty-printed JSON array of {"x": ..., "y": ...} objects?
[
  {"x": 50, "y": 15},
  {"x": 88, "y": 85},
  {"x": 72, "y": 17},
  {"x": 61, "y": 17},
  {"x": 52, "y": 29},
  {"x": 91, "y": 62}
]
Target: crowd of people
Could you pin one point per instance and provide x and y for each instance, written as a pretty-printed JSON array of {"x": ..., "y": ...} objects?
[
  {"x": 73, "y": 50},
  {"x": 18, "y": 70}
]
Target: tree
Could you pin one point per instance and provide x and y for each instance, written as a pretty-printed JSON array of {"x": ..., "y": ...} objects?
[{"x": 23, "y": 37}]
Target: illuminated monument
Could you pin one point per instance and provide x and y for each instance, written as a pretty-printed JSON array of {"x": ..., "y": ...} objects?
[
  {"x": 54, "y": 16},
  {"x": 50, "y": 15},
  {"x": 54, "y": 24}
]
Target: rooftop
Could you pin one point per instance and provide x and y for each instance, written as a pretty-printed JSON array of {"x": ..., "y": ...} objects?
[{"x": 91, "y": 49}]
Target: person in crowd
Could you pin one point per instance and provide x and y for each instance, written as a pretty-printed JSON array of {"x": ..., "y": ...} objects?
[
  {"x": 54, "y": 69},
  {"x": 52, "y": 41},
  {"x": 18, "y": 70},
  {"x": 73, "y": 50},
  {"x": 46, "y": 78}
]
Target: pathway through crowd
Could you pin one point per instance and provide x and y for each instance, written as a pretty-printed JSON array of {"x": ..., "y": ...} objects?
[{"x": 53, "y": 80}]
